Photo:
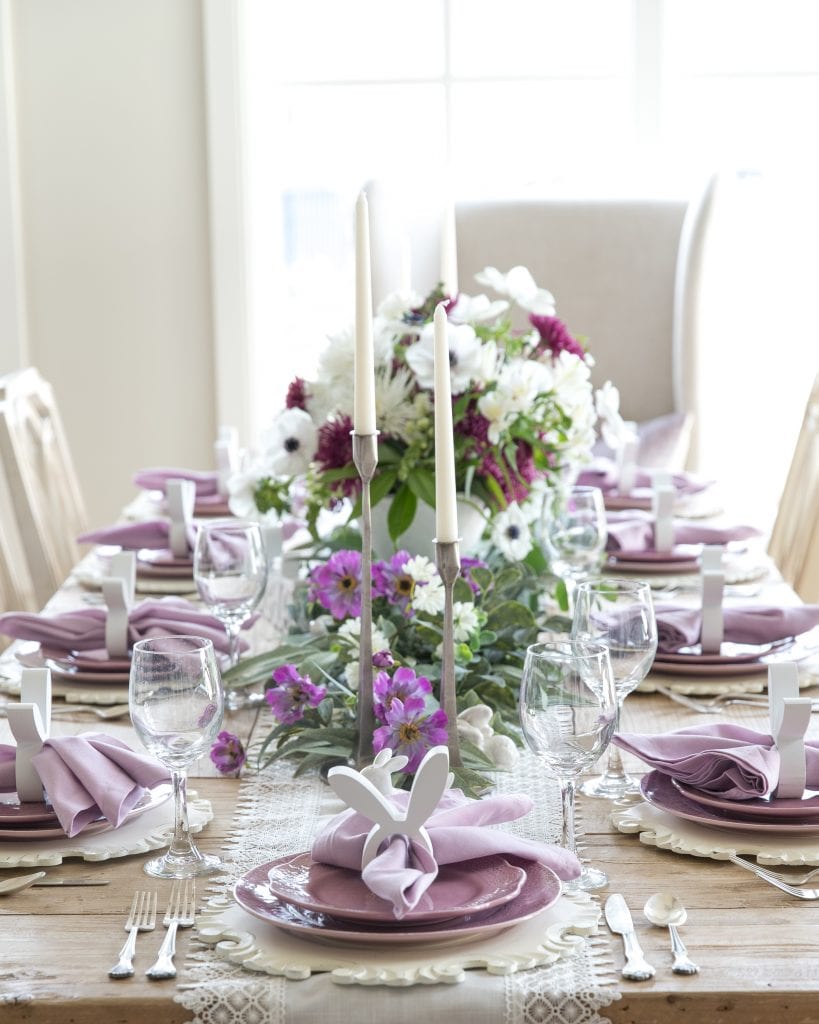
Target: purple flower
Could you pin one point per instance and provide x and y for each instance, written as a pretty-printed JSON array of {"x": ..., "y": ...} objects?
[
  {"x": 383, "y": 659},
  {"x": 404, "y": 686},
  {"x": 467, "y": 564},
  {"x": 293, "y": 695},
  {"x": 336, "y": 585},
  {"x": 555, "y": 337},
  {"x": 411, "y": 731},
  {"x": 296, "y": 394},
  {"x": 335, "y": 451},
  {"x": 227, "y": 753},
  {"x": 391, "y": 581}
]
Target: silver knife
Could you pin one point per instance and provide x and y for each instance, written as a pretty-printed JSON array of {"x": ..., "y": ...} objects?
[
  {"x": 71, "y": 881},
  {"x": 618, "y": 918}
]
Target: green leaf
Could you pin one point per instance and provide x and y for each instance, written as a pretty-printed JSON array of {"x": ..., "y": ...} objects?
[
  {"x": 402, "y": 512},
  {"x": 509, "y": 615},
  {"x": 422, "y": 483},
  {"x": 462, "y": 591},
  {"x": 562, "y": 596}
]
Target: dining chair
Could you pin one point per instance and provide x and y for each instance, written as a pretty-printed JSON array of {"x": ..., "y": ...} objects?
[
  {"x": 618, "y": 268},
  {"x": 794, "y": 542},
  {"x": 16, "y": 584},
  {"x": 40, "y": 480}
]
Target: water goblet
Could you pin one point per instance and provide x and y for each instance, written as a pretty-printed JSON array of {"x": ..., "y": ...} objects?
[
  {"x": 176, "y": 703},
  {"x": 230, "y": 572},
  {"x": 620, "y": 614},
  {"x": 567, "y": 712},
  {"x": 573, "y": 533}
]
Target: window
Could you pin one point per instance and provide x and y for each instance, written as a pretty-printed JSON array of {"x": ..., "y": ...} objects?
[{"x": 531, "y": 96}]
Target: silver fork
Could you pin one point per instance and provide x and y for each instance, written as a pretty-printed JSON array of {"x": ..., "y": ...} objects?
[
  {"x": 772, "y": 879},
  {"x": 714, "y": 705},
  {"x": 790, "y": 879},
  {"x": 180, "y": 914},
  {"x": 142, "y": 918}
]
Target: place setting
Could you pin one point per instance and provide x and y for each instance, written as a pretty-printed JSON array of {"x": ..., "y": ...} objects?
[
  {"x": 94, "y": 797},
  {"x": 720, "y": 790}
]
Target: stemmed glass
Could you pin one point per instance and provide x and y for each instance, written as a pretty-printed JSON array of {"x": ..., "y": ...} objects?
[
  {"x": 567, "y": 711},
  {"x": 230, "y": 571},
  {"x": 573, "y": 533},
  {"x": 620, "y": 614},
  {"x": 176, "y": 703}
]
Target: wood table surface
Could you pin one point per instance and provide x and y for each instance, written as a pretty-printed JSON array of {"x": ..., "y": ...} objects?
[{"x": 757, "y": 947}]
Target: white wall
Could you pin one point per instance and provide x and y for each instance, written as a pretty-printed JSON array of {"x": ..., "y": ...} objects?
[{"x": 112, "y": 159}]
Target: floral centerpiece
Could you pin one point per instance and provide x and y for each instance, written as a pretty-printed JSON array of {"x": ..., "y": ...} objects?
[
  {"x": 523, "y": 413},
  {"x": 311, "y": 678}
]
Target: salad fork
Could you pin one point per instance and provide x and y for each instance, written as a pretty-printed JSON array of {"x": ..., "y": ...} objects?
[
  {"x": 781, "y": 876},
  {"x": 141, "y": 918},
  {"x": 180, "y": 914},
  {"x": 714, "y": 705}
]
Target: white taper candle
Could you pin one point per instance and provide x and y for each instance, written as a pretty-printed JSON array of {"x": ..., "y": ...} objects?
[
  {"x": 446, "y": 515},
  {"x": 364, "y": 400}
]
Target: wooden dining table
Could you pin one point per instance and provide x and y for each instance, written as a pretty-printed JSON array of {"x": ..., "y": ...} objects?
[{"x": 757, "y": 947}]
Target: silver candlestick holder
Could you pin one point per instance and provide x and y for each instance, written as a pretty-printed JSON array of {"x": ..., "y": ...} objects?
[
  {"x": 365, "y": 457},
  {"x": 448, "y": 559}
]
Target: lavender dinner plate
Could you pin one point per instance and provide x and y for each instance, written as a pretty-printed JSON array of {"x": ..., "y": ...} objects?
[
  {"x": 705, "y": 668},
  {"x": 85, "y": 661},
  {"x": 659, "y": 790},
  {"x": 164, "y": 558},
  {"x": 471, "y": 887},
  {"x": 12, "y": 812},
  {"x": 47, "y": 830},
  {"x": 627, "y": 565},
  {"x": 540, "y": 890},
  {"x": 804, "y": 807},
  {"x": 729, "y": 653}
]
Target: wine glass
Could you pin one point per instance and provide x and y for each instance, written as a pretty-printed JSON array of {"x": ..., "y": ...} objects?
[
  {"x": 567, "y": 711},
  {"x": 573, "y": 533},
  {"x": 176, "y": 703},
  {"x": 230, "y": 571},
  {"x": 620, "y": 614}
]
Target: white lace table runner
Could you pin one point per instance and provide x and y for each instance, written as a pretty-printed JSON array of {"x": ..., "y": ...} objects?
[{"x": 278, "y": 814}]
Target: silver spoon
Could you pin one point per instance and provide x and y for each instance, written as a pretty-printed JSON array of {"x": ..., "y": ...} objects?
[{"x": 665, "y": 910}]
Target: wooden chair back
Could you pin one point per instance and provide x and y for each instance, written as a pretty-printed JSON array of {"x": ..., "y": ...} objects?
[
  {"x": 40, "y": 478},
  {"x": 794, "y": 543}
]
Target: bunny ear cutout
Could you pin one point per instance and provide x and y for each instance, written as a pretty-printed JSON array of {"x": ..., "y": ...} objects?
[
  {"x": 359, "y": 793},
  {"x": 429, "y": 785}
]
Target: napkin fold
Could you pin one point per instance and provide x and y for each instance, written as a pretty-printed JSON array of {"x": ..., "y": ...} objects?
[
  {"x": 156, "y": 479},
  {"x": 403, "y": 870},
  {"x": 679, "y": 626},
  {"x": 87, "y": 776},
  {"x": 604, "y": 473},
  {"x": 633, "y": 531},
  {"x": 83, "y": 629},
  {"x": 735, "y": 762},
  {"x": 147, "y": 533}
]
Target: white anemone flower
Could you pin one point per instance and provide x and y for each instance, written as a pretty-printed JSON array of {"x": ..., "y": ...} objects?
[
  {"x": 477, "y": 309},
  {"x": 465, "y": 357},
  {"x": 520, "y": 286},
  {"x": 290, "y": 442},
  {"x": 511, "y": 533},
  {"x": 241, "y": 495}
]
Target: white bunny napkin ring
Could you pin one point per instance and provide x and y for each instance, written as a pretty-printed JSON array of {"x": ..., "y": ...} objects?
[{"x": 431, "y": 782}]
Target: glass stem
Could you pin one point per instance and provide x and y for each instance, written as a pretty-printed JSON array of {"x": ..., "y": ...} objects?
[
  {"x": 567, "y": 797},
  {"x": 181, "y": 844},
  {"x": 614, "y": 765},
  {"x": 233, "y": 629}
]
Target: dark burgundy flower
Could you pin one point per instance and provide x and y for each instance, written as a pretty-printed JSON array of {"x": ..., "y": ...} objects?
[
  {"x": 554, "y": 336},
  {"x": 296, "y": 394},
  {"x": 335, "y": 451}
]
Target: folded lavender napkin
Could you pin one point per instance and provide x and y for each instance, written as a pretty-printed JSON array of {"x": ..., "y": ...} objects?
[
  {"x": 736, "y": 762},
  {"x": 83, "y": 629},
  {"x": 87, "y": 776},
  {"x": 156, "y": 479},
  {"x": 604, "y": 473},
  {"x": 403, "y": 871},
  {"x": 679, "y": 626},
  {"x": 633, "y": 531},
  {"x": 154, "y": 534}
]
